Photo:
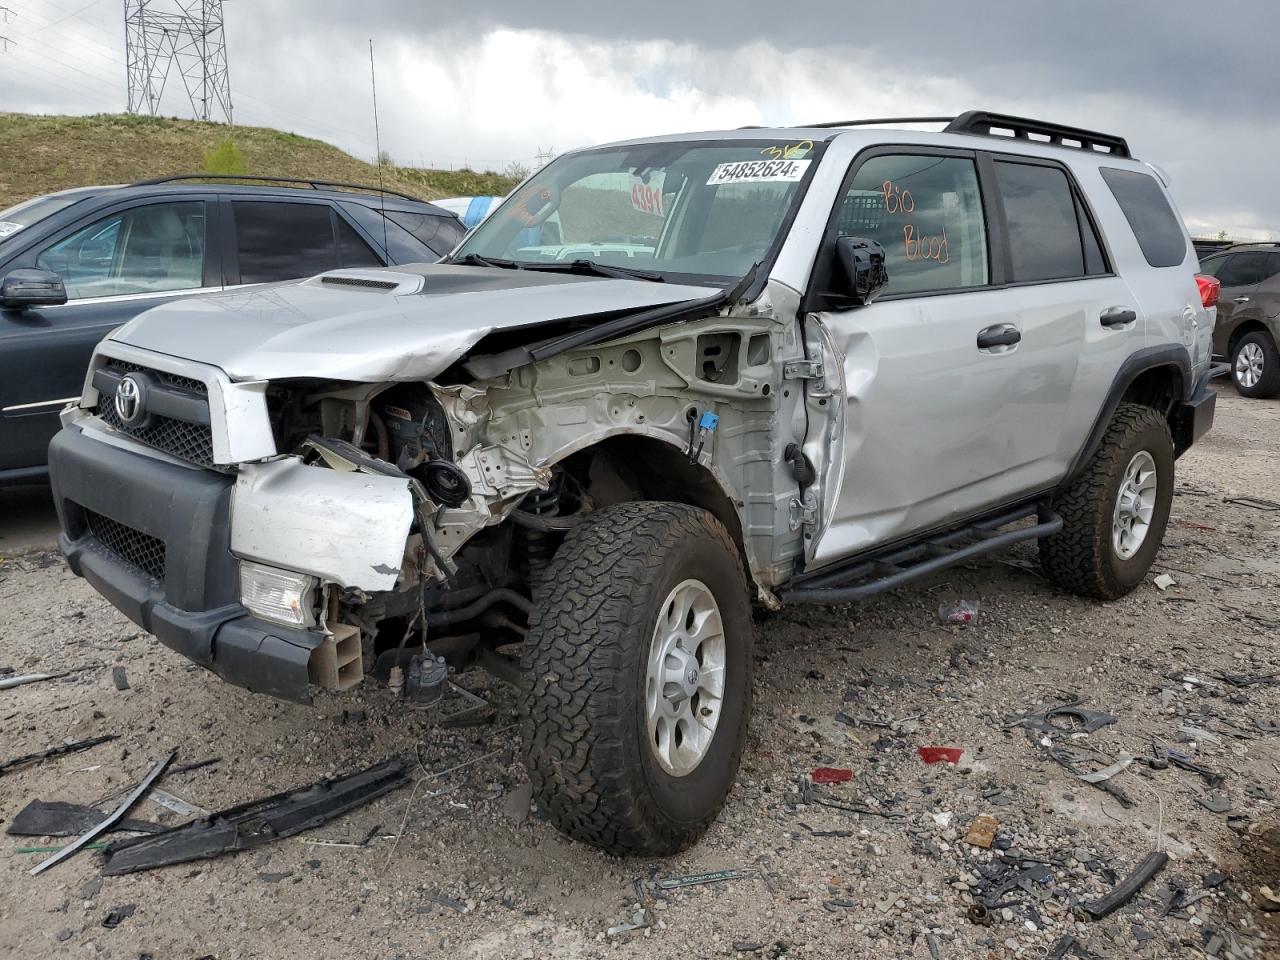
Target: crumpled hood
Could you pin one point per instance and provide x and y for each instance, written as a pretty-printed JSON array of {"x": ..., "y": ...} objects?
[{"x": 340, "y": 332}]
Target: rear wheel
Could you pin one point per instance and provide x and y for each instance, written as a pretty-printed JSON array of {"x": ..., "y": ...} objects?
[
  {"x": 638, "y": 678},
  {"x": 1115, "y": 513},
  {"x": 1255, "y": 366}
]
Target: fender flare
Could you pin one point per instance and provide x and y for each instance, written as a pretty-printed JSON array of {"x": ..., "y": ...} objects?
[{"x": 1169, "y": 355}]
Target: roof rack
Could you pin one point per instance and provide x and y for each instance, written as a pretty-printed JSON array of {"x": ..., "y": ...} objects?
[
  {"x": 869, "y": 123},
  {"x": 313, "y": 184},
  {"x": 986, "y": 124}
]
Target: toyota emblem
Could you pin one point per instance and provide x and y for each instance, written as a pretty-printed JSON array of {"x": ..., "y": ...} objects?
[{"x": 129, "y": 401}]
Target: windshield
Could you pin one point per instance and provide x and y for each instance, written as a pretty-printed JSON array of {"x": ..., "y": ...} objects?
[
  {"x": 28, "y": 212},
  {"x": 696, "y": 211}
]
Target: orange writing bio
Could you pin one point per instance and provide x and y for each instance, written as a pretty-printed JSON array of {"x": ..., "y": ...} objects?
[
  {"x": 936, "y": 248},
  {"x": 896, "y": 200}
]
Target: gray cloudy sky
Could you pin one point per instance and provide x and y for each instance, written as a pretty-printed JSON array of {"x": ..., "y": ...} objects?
[{"x": 1190, "y": 84}]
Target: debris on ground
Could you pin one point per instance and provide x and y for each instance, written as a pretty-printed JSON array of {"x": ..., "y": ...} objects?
[
  {"x": 938, "y": 754},
  {"x": 1255, "y": 503},
  {"x": 54, "y": 818},
  {"x": 153, "y": 774},
  {"x": 119, "y": 677},
  {"x": 118, "y": 915},
  {"x": 255, "y": 823},
  {"x": 639, "y": 921},
  {"x": 697, "y": 879},
  {"x": 982, "y": 831},
  {"x": 24, "y": 679},
  {"x": 1163, "y": 582},
  {"x": 828, "y": 775},
  {"x": 61, "y": 750},
  {"x": 1127, "y": 889},
  {"x": 961, "y": 612}
]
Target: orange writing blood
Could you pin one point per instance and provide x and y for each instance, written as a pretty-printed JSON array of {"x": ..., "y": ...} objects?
[
  {"x": 896, "y": 200},
  {"x": 915, "y": 247}
]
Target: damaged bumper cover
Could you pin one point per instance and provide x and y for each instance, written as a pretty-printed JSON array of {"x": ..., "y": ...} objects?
[{"x": 162, "y": 542}]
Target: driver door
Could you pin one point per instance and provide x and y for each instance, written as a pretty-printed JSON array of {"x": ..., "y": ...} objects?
[{"x": 925, "y": 423}]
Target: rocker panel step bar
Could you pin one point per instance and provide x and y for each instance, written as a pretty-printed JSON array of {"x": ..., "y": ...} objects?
[{"x": 902, "y": 565}]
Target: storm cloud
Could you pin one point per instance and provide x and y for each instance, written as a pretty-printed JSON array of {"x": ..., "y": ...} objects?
[{"x": 488, "y": 84}]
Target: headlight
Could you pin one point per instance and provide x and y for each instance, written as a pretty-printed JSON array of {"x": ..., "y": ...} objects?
[{"x": 278, "y": 595}]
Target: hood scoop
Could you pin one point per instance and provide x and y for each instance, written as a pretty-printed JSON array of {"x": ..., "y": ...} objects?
[{"x": 372, "y": 281}]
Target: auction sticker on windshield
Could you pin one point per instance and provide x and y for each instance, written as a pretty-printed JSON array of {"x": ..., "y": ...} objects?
[{"x": 758, "y": 171}]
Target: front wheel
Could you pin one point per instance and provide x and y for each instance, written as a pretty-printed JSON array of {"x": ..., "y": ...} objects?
[
  {"x": 1115, "y": 513},
  {"x": 637, "y": 669},
  {"x": 1255, "y": 366}
]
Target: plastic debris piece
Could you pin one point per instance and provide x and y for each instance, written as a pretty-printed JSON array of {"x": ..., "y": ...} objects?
[
  {"x": 1268, "y": 899},
  {"x": 936, "y": 754},
  {"x": 255, "y": 823},
  {"x": 639, "y": 920},
  {"x": 1215, "y": 803},
  {"x": 1255, "y": 503},
  {"x": 118, "y": 915},
  {"x": 436, "y": 896},
  {"x": 1106, "y": 773},
  {"x": 53, "y": 818},
  {"x": 832, "y": 775},
  {"x": 163, "y": 798},
  {"x": 56, "y": 848},
  {"x": 1128, "y": 888},
  {"x": 1164, "y": 582},
  {"x": 24, "y": 679},
  {"x": 152, "y": 776},
  {"x": 961, "y": 612},
  {"x": 57, "y": 751},
  {"x": 120, "y": 678},
  {"x": 942, "y": 819},
  {"x": 1199, "y": 733},
  {"x": 694, "y": 879},
  {"x": 982, "y": 831}
]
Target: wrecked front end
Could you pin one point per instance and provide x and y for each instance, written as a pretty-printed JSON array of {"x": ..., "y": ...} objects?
[{"x": 292, "y": 534}]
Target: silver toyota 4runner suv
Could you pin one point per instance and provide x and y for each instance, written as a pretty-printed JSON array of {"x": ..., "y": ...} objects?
[{"x": 666, "y": 380}]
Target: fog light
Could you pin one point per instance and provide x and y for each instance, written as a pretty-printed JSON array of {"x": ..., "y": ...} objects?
[{"x": 277, "y": 595}]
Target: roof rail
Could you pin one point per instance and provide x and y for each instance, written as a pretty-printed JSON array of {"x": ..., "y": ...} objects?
[
  {"x": 985, "y": 124},
  {"x": 868, "y": 123},
  {"x": 313, "y": 184}
]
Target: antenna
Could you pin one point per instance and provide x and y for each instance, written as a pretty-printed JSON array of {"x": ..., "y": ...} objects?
[{"x": 377, "y": 141}]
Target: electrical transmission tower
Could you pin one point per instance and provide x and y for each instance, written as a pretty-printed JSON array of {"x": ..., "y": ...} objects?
[{"x": 190, "y": 39}]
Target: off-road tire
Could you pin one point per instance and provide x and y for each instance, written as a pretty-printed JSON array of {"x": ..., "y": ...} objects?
[
  {"x": 1268, "y": 384},
  {"x": 1081, "y": 557},
  {"x": 584, "y": 664}
]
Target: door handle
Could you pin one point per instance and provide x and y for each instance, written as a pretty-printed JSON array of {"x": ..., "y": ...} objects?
[
  {"x": 1000, "y": 335},
  {"x": 1117, "y": 316},
  {"x": 1240, "y": 300}
]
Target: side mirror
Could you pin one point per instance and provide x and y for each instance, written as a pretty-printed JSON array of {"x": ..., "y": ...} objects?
[
  {"x": 862, "y": 262},
  {"x": 31, "y": 288}
]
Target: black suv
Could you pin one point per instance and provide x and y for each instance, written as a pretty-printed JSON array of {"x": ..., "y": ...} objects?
[{"x": 119, "y": 250}]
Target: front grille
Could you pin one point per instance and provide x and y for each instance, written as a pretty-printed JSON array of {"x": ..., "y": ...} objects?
[
  {"x": 132, "y": 546},
  {"x": 187, "y": 441},
  {"x": 192, "y": 442}
]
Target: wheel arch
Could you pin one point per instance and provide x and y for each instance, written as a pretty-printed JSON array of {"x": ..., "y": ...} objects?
[
  {"x": 1157, "y": 377},
  {"x": 1246, "y": 327},
  {"x": 640, "y": 467}
]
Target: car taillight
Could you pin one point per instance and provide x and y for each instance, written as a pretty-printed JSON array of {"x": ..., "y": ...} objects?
[{"x": 1209, "y": 287}]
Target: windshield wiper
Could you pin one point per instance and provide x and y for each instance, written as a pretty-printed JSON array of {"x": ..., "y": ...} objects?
[
  {"x": 597, "y": 269},
  {"x": 475, "y": 260}
]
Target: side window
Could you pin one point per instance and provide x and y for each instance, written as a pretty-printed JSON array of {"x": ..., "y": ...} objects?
[
  {"x": 283, "y": 241},
  {"x": 1212, "y": 266},
  {"x": 355, "y": 252},
  {"x": 1153, "y": 221},
  {"x": 926, "y": 212},
  {"x": 1244, "y": 270},
  {"x": 1043, "y": 219},
  {"x": 401, "y": 245},
  {"x": 147, "y": 249},
  {"x": 1273, "y": 268}
]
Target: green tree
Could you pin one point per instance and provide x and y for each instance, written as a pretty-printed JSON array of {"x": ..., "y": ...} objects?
[{"x": 225, "y": 158}]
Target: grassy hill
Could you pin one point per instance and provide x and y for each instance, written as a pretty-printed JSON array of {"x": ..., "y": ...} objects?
[{"x": 41, "y": 154}]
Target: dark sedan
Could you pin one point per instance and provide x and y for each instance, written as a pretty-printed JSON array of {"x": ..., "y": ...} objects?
[{"x": 74, "y": 265}]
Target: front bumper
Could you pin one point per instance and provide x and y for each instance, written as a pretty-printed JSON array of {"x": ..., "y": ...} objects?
[{"x": 154, "y": 538}]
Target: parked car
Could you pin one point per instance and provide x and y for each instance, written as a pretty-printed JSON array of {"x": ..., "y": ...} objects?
[
  {"x": 119, "y": 250},
  {"x": 774, "y": 365},
  {"x": 1248, "y": 327},
  {"x": 470, "y": 210}
]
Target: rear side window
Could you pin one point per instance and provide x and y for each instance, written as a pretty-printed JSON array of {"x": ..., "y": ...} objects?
[
  {"x": 926, "y": 211},
  {"x": 355, "y": 252},
  {"x": 409, "y": 237},
  {"x": 283, "y": 241},
  {"x": 1044, "y": 233},
  {"x": 1152, "y": 219},
  {"x": 1244, "y": 270}
]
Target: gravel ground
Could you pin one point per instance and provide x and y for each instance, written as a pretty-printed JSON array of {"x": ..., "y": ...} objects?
[{"x": 459, "y": 867}]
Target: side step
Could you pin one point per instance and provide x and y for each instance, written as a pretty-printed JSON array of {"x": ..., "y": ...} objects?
[{"x": 869, "y": 575}]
